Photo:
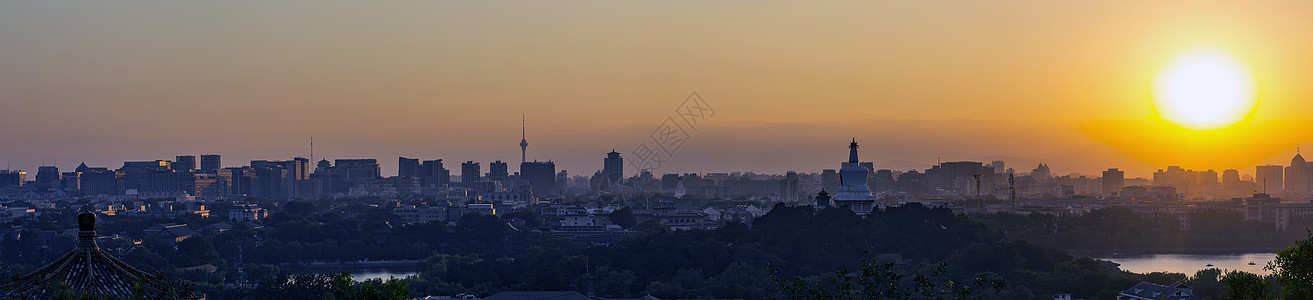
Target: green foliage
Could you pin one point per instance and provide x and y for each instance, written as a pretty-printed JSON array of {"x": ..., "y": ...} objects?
[
  {"x": 1293, "y": 269},
  {"x": 624, "y": 217},
  {"x": 878, "y": 279},
  {"x": 1247, "y": 286},
  {"x": 329, "y": 286}
]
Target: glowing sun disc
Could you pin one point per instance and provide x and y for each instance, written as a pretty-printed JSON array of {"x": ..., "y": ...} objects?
[{"x": 1204, "y": 90}]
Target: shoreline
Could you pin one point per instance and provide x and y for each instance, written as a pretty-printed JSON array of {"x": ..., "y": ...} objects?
[{"x": 1181, "y": 251}]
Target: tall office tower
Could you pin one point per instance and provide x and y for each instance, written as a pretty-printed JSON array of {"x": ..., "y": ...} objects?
[
  {"x": 999, "y": 167},
  {"x": 1113, "y": 181},
  {"x": 210, "y": 163},
  {"x": 541, "y": 177},
  {"x": 524, "y": 144},
  {"x": 469, "y": 172},
  {"x": 184, "y": 163},
  {"x": 1298, "y": 176},
  {"x": 432, "y": 173},
  {"x": 870, "y": 169},
  {"x": 789, "y": 188},
  {"x": 1230, "y": 177},
  {"x": 12, "y": 178},
  {"x": 48, "y": 177},
  {"x": 1208, "y": 178},
  {"x": 829, "y": 180},
  {"x": 884, "y": 181},
  {"x": 498, "y": 170},
  {"x": 1270, "y": 178},
  {"x": 408, "y": 167},
  {"x": 613, "y": 167}
]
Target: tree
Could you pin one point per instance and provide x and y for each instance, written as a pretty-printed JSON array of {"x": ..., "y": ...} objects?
[
  {"x": 1246, "y": 286},
  {"x": 1293, "y": 269},
  {"x": 624, "y": 217},
  {"x": 877, "y": 279}
]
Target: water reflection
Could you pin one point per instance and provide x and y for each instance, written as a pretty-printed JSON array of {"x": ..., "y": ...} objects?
[{"x": 1188, "y": 264}]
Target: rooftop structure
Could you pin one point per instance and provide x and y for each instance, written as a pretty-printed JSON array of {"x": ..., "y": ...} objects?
[{"x": 90, "y": 270}]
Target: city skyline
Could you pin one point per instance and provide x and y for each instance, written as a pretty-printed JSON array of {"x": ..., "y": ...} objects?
[{"x": 919, "y": 81}]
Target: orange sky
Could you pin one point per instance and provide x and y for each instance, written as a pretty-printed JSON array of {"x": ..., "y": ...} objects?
[{"x": 1062, "y": 82}]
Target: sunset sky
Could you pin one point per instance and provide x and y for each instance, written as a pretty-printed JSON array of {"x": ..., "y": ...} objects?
[{"x": 1068, "y": 83}]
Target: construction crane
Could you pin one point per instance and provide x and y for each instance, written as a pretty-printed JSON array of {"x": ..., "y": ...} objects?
[{"x": 1012, "y": 188}]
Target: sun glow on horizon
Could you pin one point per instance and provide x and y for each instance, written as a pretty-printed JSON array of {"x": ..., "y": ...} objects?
[{"x": 1204, "y": 89}]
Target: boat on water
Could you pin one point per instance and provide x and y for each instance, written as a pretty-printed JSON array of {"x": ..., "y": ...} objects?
[
  {"x": 1251, "y": 263},
  {"x": 1208, "y": 265}
]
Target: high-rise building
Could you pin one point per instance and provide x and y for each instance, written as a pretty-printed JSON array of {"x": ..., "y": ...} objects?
[
  {"x": 1299, "y": 176},
  {"x": 12, "y": 178},
  {"x": 407, "y": 167},
  {"x": 1113, "y": 181},
  {"x": 184, "y": 163},
  {"x": 470, "y": 172},
  {"x": 1230, "y": 177},
  {"x": 541, "y": 177},
  {"x": 432, "y": 173},
  {"x": 48, "y": 177},
  {"x": 613, "y": 167},
  {"x": 999, "y": 167},
  {"x": 498, "y": 170},
  {"x": 789, "y": 188},
  {"x": 1270, "y": 177},
  {"x": 829, "y": 180},
  {"x": 210, "y": 163}
]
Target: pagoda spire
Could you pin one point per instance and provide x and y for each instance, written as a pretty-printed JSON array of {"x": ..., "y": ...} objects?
[{"x": 852, "y": 151}]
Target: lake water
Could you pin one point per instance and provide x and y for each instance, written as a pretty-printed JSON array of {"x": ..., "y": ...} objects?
[
  {"x": 1188, "y": 264},
  {"x": 378, "y": 274}
]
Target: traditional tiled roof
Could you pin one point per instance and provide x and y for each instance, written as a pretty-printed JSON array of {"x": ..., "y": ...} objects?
[{"x": 88, "y": 269}]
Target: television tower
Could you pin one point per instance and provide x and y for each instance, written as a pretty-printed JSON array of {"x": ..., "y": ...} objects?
[{"x": 524, "y": 144}]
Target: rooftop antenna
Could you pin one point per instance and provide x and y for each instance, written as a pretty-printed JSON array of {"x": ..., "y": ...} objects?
[{"x": 312, "y": 148}]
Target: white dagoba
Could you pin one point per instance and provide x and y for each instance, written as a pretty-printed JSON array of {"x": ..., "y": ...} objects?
[{"x": 853, "y": 192}]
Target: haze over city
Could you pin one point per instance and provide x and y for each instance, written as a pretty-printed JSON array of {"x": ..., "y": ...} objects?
[
  {"x": 1057, "y": 83},
  {"x": 620, "y": 150}
]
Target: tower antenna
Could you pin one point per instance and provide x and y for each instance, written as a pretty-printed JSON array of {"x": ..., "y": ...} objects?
[
  {"x": 524, "y": 143},
  {"x": 312, "y": 148}
]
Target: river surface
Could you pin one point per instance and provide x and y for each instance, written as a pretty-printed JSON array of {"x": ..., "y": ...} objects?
[
  {"x": 363, "y": 275},
  {"x": 1188, "y": 264}
]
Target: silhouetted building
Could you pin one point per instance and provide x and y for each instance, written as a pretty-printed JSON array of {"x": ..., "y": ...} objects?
[
  {"x": 408, "y": 167},
  {"x": 432, "y": 173},
  {"x": 829, "y": 180},
  {"x": 789, "y": 188},
  {"x": 1113, "y": 181},
  {"x": 541, "y": 177},
  {"x": 210, "y": 163},
  {"x": 498, "y": 170},
  {"x": 184, "y": 163},
  {"x": 470, "y": 172},
  {"x": 1270, "y": 177},
  {"x": 12, "y": 178},
  {"x": 1299, "y": 176},
  {"x": 47, "y": 177},
  {"x": 613, "y": 167},
  {"x": 1230, "y": 177}
]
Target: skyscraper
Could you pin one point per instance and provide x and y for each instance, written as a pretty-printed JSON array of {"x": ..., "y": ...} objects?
[
  {"x": 613, "y": 167},
  {"x": 408, "y": 167},
  {"x": 12, "y": 178},
  {"x": 541, "y": 177},
  {"x": 210, "y": 163},
  {"x": 498, "y": 170},
  {"x": 470, "y": 172},
  {"x": 789, "y": 188},
  {"x": 1113, "y": 181},
  {"x": 432, "y": 173},
  {"x": 1270, "y": 178},
  {"x": 1230, "y": 177},
  {"x": 184, "y": 163}
]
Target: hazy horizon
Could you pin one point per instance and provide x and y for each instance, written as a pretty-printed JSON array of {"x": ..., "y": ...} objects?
[{"x": 1067, "y": 84}]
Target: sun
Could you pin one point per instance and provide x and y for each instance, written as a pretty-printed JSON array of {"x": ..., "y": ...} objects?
[{"x": 1204, "y": 89}]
